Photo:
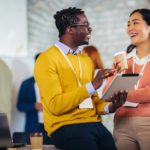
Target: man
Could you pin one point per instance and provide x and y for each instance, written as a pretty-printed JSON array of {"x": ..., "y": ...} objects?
[
  {"x": 65, "y": 79},
  {"x": 29, "y": 102}
]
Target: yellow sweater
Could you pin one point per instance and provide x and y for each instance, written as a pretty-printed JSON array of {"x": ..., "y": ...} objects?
[{"x": 59, "y": 90}]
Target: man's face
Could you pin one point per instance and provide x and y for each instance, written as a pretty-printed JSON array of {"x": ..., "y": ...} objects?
[{"x": 82, "y": 30}]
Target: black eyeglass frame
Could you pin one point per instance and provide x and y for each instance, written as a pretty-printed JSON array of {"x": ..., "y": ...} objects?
[{"x": 82, "y": 25}]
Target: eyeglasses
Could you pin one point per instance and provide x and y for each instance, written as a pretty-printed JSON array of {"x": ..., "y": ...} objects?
[{"x": 82, "y": 25}]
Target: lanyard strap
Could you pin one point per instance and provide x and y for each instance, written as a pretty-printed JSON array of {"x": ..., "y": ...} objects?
[
  {"x": 141, "y": 72},
  {"x": 71, "y": 66},
  {"x": 80, "y": 69}
]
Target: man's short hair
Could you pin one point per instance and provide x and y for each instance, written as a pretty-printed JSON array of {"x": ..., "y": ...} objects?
[{"x": 65, "y": 18}]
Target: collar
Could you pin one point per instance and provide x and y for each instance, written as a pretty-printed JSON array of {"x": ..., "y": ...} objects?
[
  {"x": 136, "y": 59},
  {"x": 66, "y": 49}
]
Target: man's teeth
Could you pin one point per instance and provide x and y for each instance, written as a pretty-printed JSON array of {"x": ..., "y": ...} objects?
[{"x": 89, "y": 36}]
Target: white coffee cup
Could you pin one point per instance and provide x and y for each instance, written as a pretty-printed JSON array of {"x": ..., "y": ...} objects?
[{"x": 121, "y": 57}]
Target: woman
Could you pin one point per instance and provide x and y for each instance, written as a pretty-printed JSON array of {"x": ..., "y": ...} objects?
[
  {"x": 93, "y": 53},
  {"x": 132, "y": 124}
]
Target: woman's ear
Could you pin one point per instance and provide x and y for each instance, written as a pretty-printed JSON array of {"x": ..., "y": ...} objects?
[{"x": 149, "y": 29}]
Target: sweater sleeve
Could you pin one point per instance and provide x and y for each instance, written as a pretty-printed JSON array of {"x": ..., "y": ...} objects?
[
  {"x": 141, "y": 95},
  {"x": 99, "y": 104},
  {"x": 52, "y": 93},
  {"x": 100, "y": 107}
]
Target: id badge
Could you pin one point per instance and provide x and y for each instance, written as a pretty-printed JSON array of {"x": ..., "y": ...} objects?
[
  {"x": 87, "y": 103},
  {"x": 130, "y": 104}
]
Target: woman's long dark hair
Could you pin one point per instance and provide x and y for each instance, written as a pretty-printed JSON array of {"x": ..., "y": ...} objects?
[
  {"x": 146, "y": 17},
  {"x": 130, "y": 48}
]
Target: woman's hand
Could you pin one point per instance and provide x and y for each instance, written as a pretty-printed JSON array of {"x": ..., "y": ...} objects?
[
  {"x": 117, "y": 67},
  {"x": 117, "y": 100}
]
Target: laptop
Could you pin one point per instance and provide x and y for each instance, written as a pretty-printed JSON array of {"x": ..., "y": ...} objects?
[{"x": 5, "y": 136}]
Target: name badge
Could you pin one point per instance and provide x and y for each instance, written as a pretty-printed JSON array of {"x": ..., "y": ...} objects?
[
  {"x": 87, "y": 103},
  {"x": 130, "y": 104}
]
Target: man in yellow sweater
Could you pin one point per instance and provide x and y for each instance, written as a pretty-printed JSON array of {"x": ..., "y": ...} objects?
[{"x": 68, "y": 91}]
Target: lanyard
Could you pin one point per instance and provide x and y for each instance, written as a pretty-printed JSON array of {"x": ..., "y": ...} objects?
[
  {"x": 71, "y": 66},
  {"x": 141, "y": 72}
]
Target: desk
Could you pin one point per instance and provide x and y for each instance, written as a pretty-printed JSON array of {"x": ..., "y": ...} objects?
[{"x": 28, "y": 147}]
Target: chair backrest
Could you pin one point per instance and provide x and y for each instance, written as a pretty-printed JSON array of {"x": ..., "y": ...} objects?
[{"x": 21, "y": 137}]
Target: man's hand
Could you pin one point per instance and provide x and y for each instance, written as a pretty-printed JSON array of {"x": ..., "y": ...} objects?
[
  {"x": 102, "y": 74},
  {"x": 38, "y": 106},
  {"x": 118, "y": 99}
]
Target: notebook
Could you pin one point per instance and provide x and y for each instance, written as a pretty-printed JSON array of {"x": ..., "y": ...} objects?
[{"x": 5, "y": 136}]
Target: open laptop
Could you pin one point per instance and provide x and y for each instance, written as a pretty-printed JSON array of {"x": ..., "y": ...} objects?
[{"x": 5, "y": 136}]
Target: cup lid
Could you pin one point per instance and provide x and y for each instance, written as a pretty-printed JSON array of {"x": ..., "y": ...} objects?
[
  {"x": 120, "y": 52},
  {"x": 36, "y": 134}
]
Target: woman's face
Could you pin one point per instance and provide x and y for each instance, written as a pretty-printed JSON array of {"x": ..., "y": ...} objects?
[{"x": 138, "y": 30}]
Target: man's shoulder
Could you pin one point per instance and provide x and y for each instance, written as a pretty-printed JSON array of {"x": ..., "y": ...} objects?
[
  {"x": 52, "y": 50},
  {"x": 51, "y": 53}
]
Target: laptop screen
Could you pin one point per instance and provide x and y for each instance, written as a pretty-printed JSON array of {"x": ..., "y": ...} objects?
[{"x": 5, "y": 137}]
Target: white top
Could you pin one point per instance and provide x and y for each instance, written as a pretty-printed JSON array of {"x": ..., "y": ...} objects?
[{"x": 40, "y": 113}]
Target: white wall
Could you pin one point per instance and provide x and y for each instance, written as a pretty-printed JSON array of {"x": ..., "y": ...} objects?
[
  {"x": 13, "y": 50},
  {"x": 13, "y": 31}
]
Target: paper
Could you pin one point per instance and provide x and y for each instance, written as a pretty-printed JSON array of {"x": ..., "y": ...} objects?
[
  {"x": 87, "y": 103},
  {"x": 130, "y": 104},
  {"x": 100, "y": 89}
]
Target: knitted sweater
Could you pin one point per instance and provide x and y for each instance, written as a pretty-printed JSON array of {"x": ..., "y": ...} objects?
[{"x": 59, "y": 90}]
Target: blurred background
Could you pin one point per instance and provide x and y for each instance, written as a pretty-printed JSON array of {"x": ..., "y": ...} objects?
[{"x": 27, "y": 27}]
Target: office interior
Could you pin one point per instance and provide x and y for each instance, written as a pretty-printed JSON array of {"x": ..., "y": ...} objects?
[{"x": 27, "y": 27}]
